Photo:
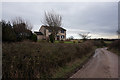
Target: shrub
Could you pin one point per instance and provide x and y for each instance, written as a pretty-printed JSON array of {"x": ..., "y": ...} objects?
[
  {"x": 52, "y": 39},
  {"x": 99, "y": 43},
  {"x": 34, "y": 38},
  {"x": 75, "y": 41},
  {"x": 61, "y": 41},
  {"x": 43, "y": 41},
  {"x": 18, "y": 31},
  {"x": 8, "y": 33},
  {"x": 39, "y": 60},
  {"x": 115, "y": 45}
]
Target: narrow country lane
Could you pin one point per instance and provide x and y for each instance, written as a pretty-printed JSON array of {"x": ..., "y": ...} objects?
[{"x": 103, "y": 64}]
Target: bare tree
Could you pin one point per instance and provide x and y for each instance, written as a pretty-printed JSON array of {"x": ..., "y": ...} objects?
[
  {"x": 85, "y": 36},
  {"x": 19, "y": 20},
  {"x": 53, "y": 21},
  {"x": 22, "y": 28}
]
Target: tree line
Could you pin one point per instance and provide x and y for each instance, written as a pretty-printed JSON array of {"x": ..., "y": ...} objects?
[{"x": 17, "y": 30}]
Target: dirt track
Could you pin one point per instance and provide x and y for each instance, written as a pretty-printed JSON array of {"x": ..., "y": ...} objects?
[{"x": 104, "y": 64}]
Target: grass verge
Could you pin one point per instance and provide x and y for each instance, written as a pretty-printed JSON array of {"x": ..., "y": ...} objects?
[
  {"x": 115, "y": 47},
  {"x": 72, "y": 67},
  {"x": 115, "y": 51}
]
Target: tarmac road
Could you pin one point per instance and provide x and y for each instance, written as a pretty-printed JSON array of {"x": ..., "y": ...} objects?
[{"x": 103, "y": 64}]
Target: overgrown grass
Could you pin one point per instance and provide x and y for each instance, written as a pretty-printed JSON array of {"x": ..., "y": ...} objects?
[
  {"x": 63, "y": 41},
  {"x": 67, "y": 70},
  {"x": 115, "y": 47},
  {"x": 58, "y": 41},
  {"x": 40, "y": 60}
]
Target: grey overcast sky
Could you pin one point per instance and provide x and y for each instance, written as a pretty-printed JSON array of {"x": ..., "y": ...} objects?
[{"x": 98, "y": 18}]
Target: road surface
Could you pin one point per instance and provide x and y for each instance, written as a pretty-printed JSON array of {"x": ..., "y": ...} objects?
[{"x": 103, "y": 64}]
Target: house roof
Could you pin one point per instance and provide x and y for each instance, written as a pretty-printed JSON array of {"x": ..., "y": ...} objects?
[
  {"x": 38, "y": 33},
  {"x": 60, "y": 28}
]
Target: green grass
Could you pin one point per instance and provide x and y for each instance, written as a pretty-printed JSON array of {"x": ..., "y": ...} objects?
[
  {"x": 56, "y": 41},
  {"x": 108, "y": 42},
  {"x": 68, "y": 41}
]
